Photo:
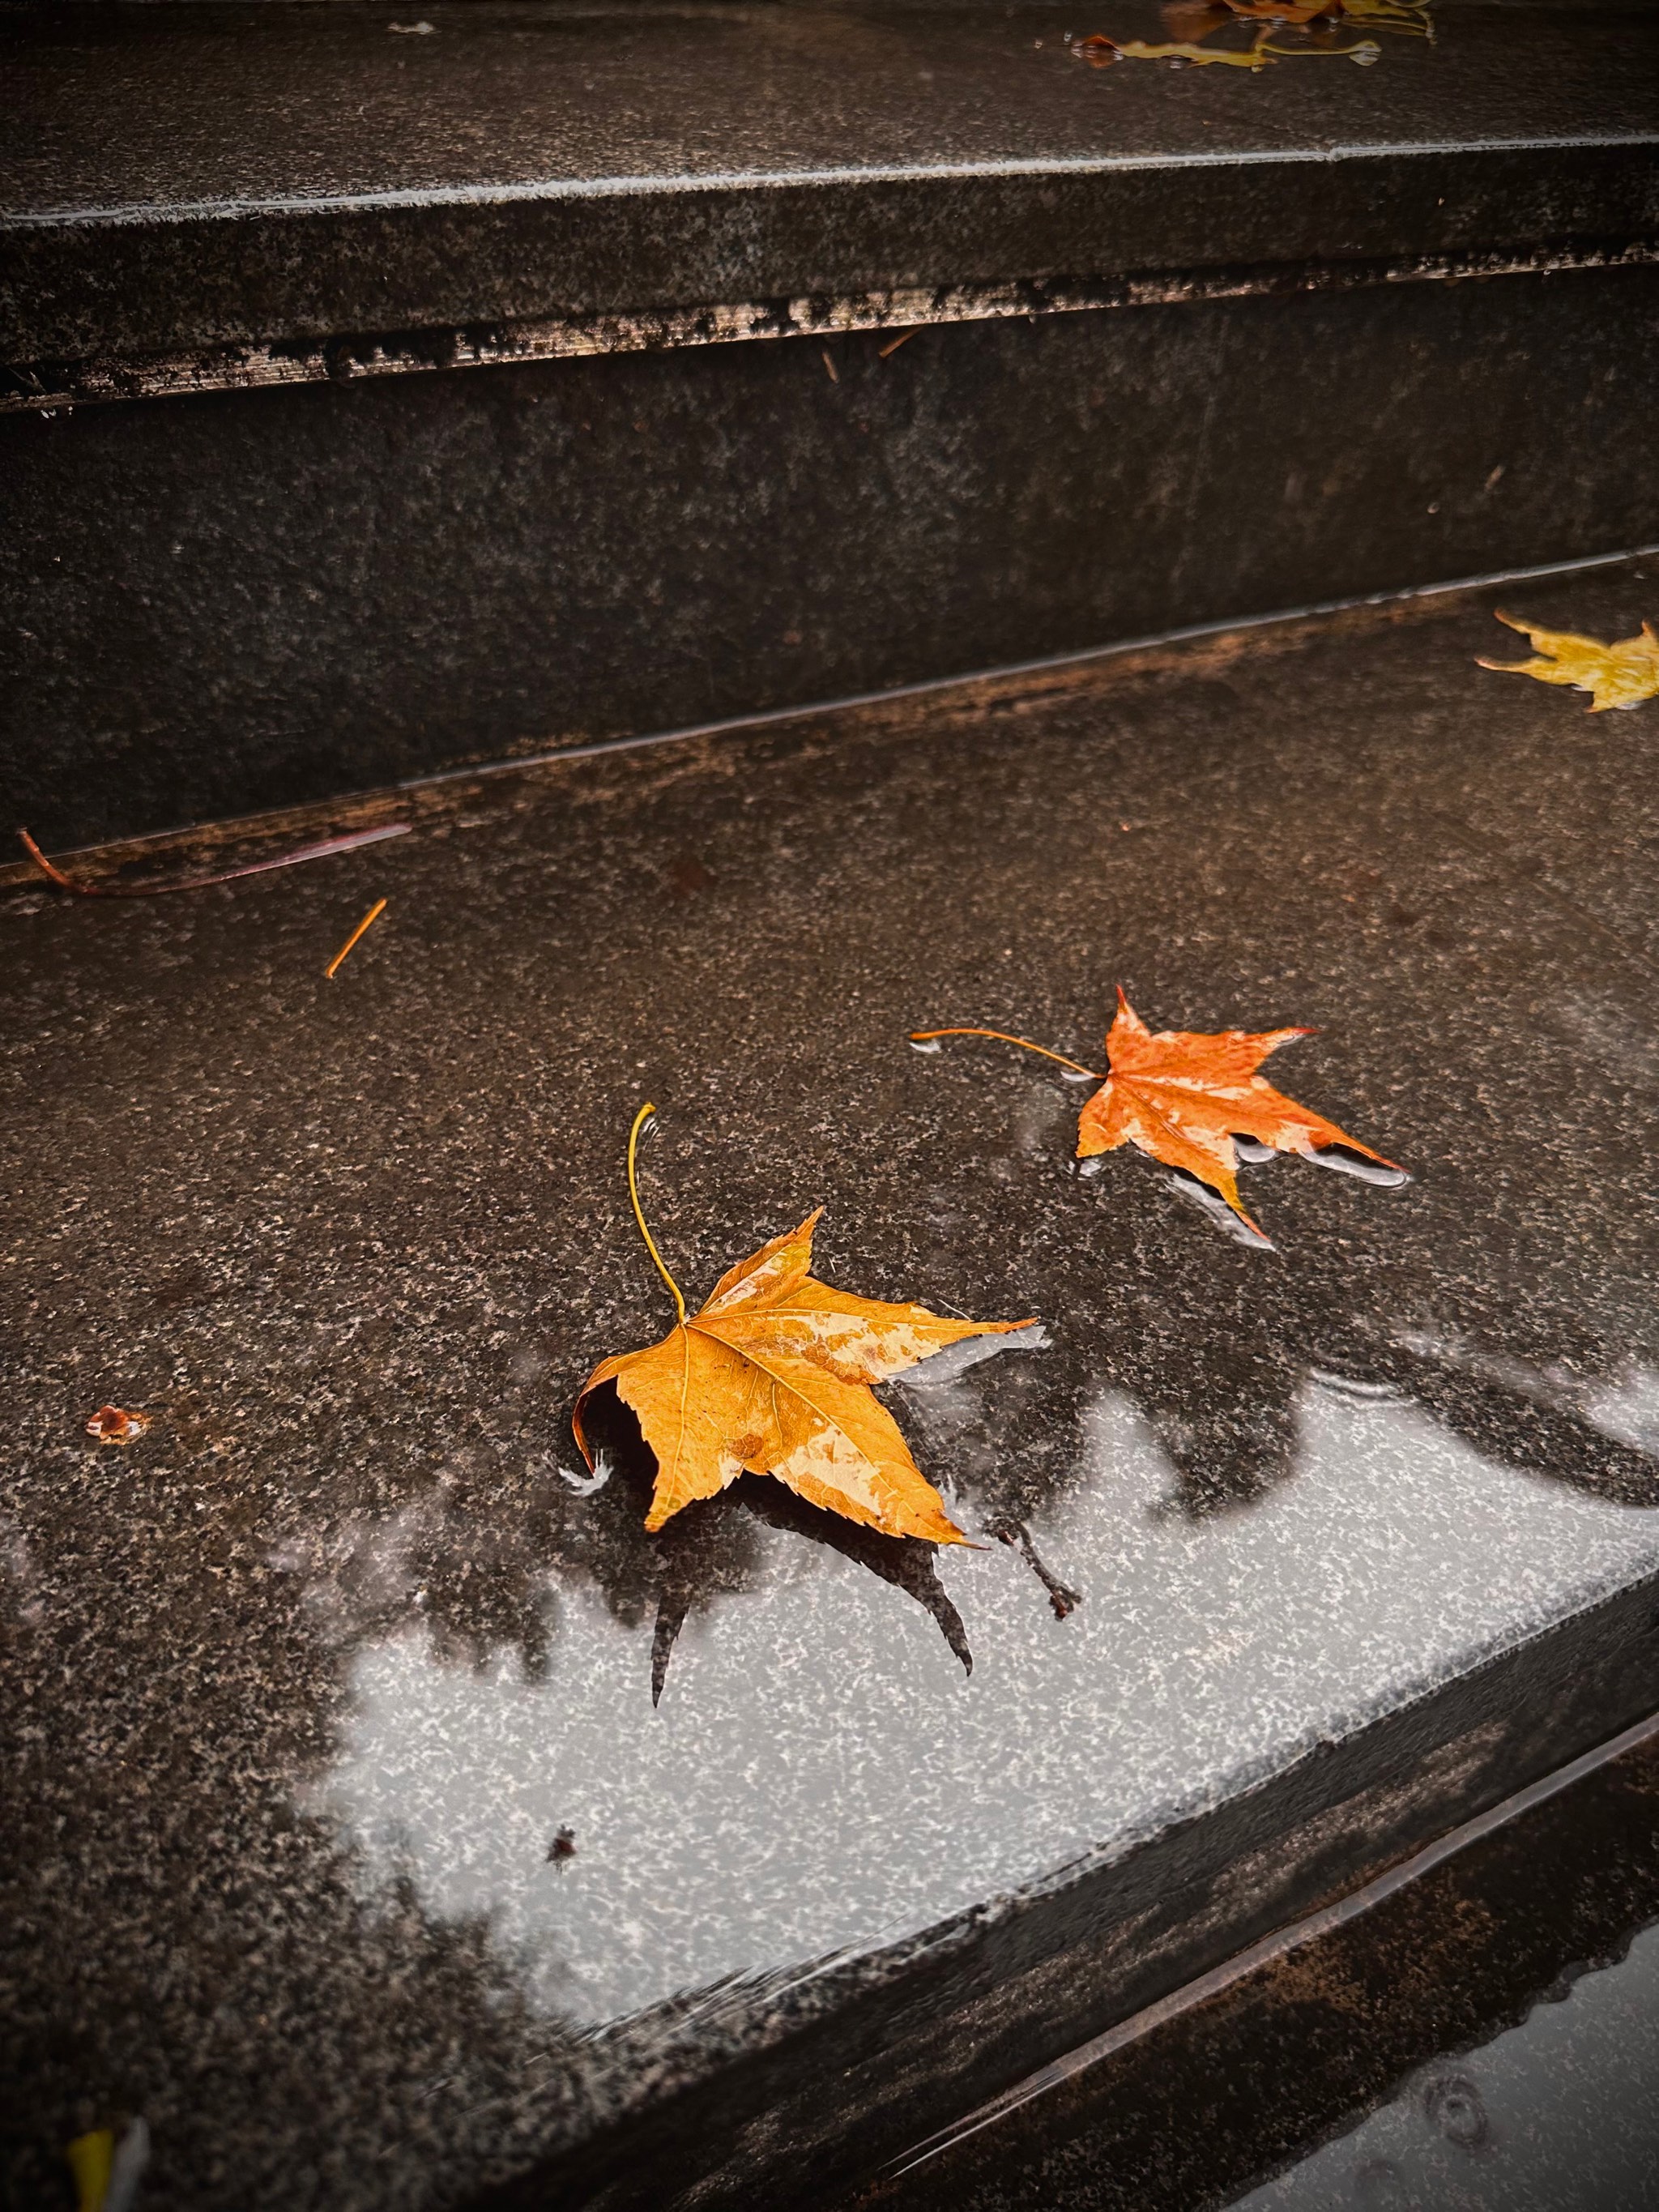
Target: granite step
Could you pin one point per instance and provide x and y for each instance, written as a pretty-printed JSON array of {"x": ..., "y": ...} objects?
[
  {"x": 392, "y": 395},
  {"x": 1484, "y": 2035},
  {"x": 347, "y": 1844}
]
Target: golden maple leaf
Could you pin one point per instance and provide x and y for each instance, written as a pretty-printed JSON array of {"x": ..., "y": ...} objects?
[
  {"x": 1182, "y": 1095},
  {"x": 1622, "y": 674},
  {"x": 772, "y": 1376}
]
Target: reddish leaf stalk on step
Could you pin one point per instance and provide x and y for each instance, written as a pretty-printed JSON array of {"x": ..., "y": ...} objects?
[{"x": 320, "y": 851}]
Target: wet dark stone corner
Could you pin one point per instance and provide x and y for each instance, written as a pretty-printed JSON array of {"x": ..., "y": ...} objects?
[{"x": 1230, "y": 2092}]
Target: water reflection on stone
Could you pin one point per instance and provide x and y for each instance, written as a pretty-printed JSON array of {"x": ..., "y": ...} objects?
[
  {"x": 1553, "y": 2115},
  {"x": 821, "y": 1775},
  {"x": 347, "y": 1566}
]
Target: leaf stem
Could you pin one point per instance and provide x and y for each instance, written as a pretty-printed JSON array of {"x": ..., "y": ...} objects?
[
  {"x": 639, "y": 1120},
  {"x": 925, "y": 1036}
]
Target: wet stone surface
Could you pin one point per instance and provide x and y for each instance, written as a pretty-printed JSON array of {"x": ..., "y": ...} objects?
[
  {"x": 1554, "y": 2114},
  {"x": 341, "y": 1810},
  {"x": 1483, "y": 2038},
  {"x": 200, "y": 632},
  {"x": 520, "y": 161}
]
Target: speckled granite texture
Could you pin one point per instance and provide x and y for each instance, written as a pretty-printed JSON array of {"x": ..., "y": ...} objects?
[
  {"x": 547, "y": 159},
  {"x": 303, "y": 1687}
]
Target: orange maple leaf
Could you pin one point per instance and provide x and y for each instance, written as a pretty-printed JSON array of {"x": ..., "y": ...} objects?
[
  {"x": 1183, "y": 1094},
  {"x": 772, "y": 1376}
]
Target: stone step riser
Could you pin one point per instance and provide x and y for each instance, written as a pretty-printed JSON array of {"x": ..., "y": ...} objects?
[{"x": 244, "y": 600}]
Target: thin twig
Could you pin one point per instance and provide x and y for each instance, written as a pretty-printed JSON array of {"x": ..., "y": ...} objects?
[
  {"x": 830, "y": 365},
  {"x": 346, "y": 844},
  {"x": 894, "y": 344},
  {"x": 373, "y": 916}
]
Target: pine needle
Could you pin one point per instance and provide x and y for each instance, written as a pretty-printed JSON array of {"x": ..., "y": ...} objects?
[{"x": 372, "y": 916}]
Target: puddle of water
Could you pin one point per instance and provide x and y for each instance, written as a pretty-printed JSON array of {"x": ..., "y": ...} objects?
[
  {"x": 1215, "y": 1208},
  {"x": 821, "y": 1775},
  {"x": 1341, "y": 1162},
  {"x": 1558, "y": 2115},
  {"x": 941, "y": 1369}
]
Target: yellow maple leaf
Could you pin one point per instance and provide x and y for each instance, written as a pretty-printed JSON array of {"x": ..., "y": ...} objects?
[
  {"x": 1099, "y": 51},
  {"x": 1622, "y": 674},
  {"x": 772, "y": 1376}
]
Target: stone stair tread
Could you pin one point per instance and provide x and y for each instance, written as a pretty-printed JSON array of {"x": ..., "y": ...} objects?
[
  {"x": 169, "y": 167},
  {"x": 341, "y": 1621}
]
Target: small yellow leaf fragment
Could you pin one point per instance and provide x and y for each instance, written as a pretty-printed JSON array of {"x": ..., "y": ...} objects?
[
  {"x": 117, "y": 1425},
  {"x": 107, "y": 2169},
  {"x": 1622, "y": 674},
  {"x": 91, "y": 2158},
  {"x": 367, "y": 921}
]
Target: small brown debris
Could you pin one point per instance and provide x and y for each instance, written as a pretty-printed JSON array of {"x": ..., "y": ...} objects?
[
  {"x": 117, "y": 1425},
  {"x": 687, "y": 876},
  {"x": 893, "y": 344},
  {"x": 1065, "y": 1601},
  {"x": 830, "y": 366},
  {"x": 563, "y": 1846},
  {"x": 372, "y": 916}
]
